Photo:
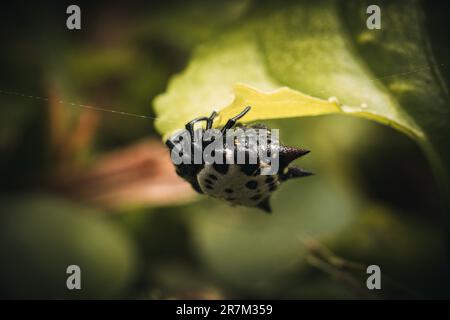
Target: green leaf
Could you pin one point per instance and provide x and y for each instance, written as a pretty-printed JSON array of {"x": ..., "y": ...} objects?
[
  {"x": 231, "y": 73},
  {"x": 317, "y": 58}
]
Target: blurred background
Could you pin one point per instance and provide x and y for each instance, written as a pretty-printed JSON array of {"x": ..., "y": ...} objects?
[{"x": 98, "y": 190}]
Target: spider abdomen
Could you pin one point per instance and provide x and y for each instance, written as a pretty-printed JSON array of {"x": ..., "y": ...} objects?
[{"x": 234, "y": 184}]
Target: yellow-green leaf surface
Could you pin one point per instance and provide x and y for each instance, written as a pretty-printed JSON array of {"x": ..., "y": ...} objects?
[
  {"x": 291, "y": 103},
  {"x": 315, "y": 58},
  {"x": 230, "y": 74}
]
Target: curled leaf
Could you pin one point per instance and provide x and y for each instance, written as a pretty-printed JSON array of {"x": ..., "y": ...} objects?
[{"x": 318, "y": 58}]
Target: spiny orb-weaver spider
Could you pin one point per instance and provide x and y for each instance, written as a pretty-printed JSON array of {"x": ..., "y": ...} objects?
[{"x": 239, "y": 184}]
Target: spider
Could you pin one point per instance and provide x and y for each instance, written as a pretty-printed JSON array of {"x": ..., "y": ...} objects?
[{"x": 239, "y": 184}]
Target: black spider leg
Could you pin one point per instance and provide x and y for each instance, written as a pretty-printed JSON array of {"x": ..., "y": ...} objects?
[
  {"x": 248, "y": 169},
  {"x": 170, "y": 144},
  {"x": 191, "y": 129},
  {"x": 190, "y": 125},
  {"x": 231, "y": 122},
  {"x": 210, "y": 120},
  {"x": 209, "y": 124}
]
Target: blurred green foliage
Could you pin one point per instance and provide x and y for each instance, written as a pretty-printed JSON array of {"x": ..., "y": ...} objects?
[
  {"x": 42, "y": 235},
  {"x": 373, "y": 201}
]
